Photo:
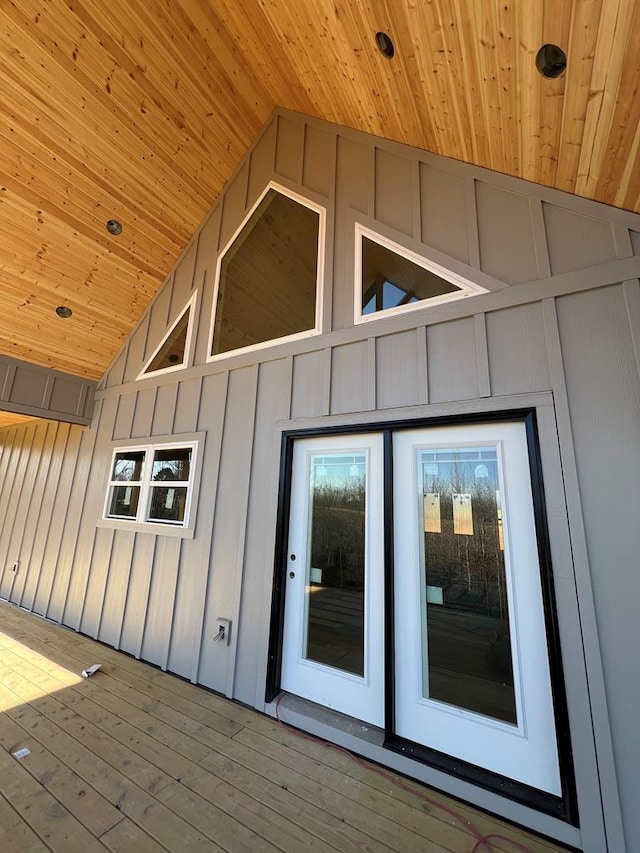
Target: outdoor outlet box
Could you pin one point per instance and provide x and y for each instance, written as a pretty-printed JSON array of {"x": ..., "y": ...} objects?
[
  {"x": 14, "y": 565},
  {"x": 223, "y": 631}
]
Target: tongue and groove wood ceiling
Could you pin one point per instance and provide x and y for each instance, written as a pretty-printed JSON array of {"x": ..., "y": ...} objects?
[{"x": 140, "y": 110}]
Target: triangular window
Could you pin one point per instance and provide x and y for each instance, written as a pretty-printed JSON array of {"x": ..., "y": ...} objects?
[
  {"x": 269, "y": 275},
  {"x": 393, "y": 278},
  {"x": 173, "y": 351}
]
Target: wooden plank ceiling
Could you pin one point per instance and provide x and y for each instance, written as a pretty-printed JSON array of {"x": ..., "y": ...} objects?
[
  {"x": 8, "y": 419},
  {"x": 140, "y": 110}
]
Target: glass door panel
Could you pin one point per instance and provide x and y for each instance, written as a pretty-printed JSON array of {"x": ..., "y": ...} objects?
[
  {"x": 466, "y": 660},
  {"x": 472, "y": 672},
  {"x": 333, "y": 626},
  {"x": 335, "y": 588}
]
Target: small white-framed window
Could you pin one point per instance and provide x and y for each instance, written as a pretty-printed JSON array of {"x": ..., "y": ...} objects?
[
  {"x": 391, "y": 279},
  {"x": 174, "y": 350},
  {"x": 270, "y": 275},
  {"x": 153, "y": 485}
]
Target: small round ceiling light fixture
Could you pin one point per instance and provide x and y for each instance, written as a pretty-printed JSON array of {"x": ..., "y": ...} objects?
[
  {"x": 551, "y": 60},
  {"x": 385, "y": 44},
  {"x": 64, "y": 312},
  {"x": 114, "y": 227}
]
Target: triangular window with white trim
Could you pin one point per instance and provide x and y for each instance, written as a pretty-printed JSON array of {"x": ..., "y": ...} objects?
[
  {"x": 172, "y": 353},
  {"x": 392, "y": 278}
]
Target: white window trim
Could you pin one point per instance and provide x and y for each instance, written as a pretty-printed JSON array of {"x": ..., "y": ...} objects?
[
  {"x": 307, "y": 333},
  {"x": 469, "y": 288},
  {"x": 188, "y": 344},
  {"x": 184, "y": 529}
]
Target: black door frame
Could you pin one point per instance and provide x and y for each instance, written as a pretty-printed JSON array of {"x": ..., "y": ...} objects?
[{"x": 563, "y": 807}]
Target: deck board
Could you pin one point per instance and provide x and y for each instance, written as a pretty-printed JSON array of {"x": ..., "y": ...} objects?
[{"x": 137, "y": 759}]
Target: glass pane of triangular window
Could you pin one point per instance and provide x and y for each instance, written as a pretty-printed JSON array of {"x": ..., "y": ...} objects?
[
  {"x": 370, "y": 307},
  {"x": 268, "y": 276},
  {"x": 172, "y": 351},
  {"x": 390, "y": 280}
]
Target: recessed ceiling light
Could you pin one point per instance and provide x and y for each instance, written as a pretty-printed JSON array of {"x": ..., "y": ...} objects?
[
  {"x": 114, "y": 227},
  {"x": 64, "y": 312},
  {"x": 385, "y": 45},
  {"x": 551, "y": 60}
]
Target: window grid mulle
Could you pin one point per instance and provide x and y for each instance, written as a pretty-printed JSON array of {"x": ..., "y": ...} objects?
[{"x": 178, "y": 492}]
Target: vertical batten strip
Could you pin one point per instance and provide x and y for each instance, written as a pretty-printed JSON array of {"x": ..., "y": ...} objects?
[
  {"x": 622, "y": 240},
  {"x": 167, "y": 316},
  {"x": 87, "y": 438},
  {"x": 64, "y": 432},
  {"x": 416, "y": 200},
  {"x": 8, "y": 437},
  {"x": 372, "y": 392},
  {"x": 194, "y": 283},
  {"x": 371, "y": 182},
  {"x": 125, "y": 595},
  {"x": 271, "y": 523},
  {"x": 482, "y": 355},
  {"x": 7, "y": 385},
  {"x": 243, "y": 512},
  {"x": 90, "y": 556},
  {"x": 294, "y": 173},
  {"x": 206, "y": 521},
  {"x": 473, "y": 233},
  {"x": 73, "y": 520},
  {"x": 422, "y": 372},
  {"x": 540, "y": 244},
  {"x": 289, "y": 361},
  {"x": 99, "y": 468},
  {"x": 52, "y": 434},
  {"x": 114, "y": 375},
  {"x": 105, "y": 584},
  {"x": 137, "y": 348},
  {"x": 591, "y": 823},
  {"x": 10, "y": 508},
  {"x": 47, "y": 394},
  {"x": 174, "y": 598},
  {"x": 330, "y": 243},
  {"x": 31, "y": 489},
  {"x": 206, "y": 260},
  {"x": 325, "y": 381},
  {"x": 82, "y": 401},
  {"x": 19, "y": 514},
  {"x": 8, "y": 475},
  {"x": 262, "y": 164},
  {"x": 631, "y": 290}
]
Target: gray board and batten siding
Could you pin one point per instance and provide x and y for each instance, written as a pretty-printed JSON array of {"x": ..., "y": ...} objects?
[
  {"x": 40, "y": 392},
  {"x": 558, "y": 330}
]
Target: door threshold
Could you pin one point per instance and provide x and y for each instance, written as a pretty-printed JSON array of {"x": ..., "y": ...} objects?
[{"x": 367, "y": 741}]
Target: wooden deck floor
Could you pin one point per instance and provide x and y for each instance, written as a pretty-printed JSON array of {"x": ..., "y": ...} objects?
[{"x": 135, "y": 760}]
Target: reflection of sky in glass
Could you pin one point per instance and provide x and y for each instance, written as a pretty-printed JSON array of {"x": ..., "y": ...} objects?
[
  {"x": 462, "y": 470},
  {"x": 392, "y": 296},
  {"x": 337, "y": 471}
]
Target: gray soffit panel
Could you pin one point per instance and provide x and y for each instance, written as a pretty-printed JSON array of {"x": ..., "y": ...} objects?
[{"x": 40, "y": 392}]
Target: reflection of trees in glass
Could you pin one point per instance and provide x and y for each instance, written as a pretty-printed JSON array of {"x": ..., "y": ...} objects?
[
  {"x": 129, "y": 467},
  {"x": 469, "y": 661},
  {"x": 171, "y": 465},
  {"x": 469, "y": 568},
  {"x": 338, "y": 532}
]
